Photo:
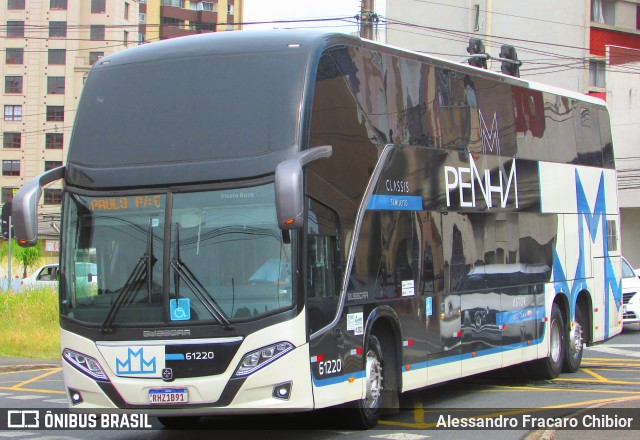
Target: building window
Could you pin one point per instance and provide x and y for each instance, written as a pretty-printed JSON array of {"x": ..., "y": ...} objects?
[
  {"x": 57, "y": 56},
  {"x": 13, "y": 113},
  {"x": 12, "y": 84},
  {"x": 203, "y": 6},
  {"x": 14, "y": 55},
  {"x": 55, "y": 85},
  {"x": 10, "y": 167},
  {"x": 95, "y": 56},
  {"x": 57, "y": 29},
  {"x": 53, "y": 141},
  {"x": 58, "y": 4},
  {"x": 170, "y": 21},
  {"x": 11, "y": 140},
  {"x": 603, "y": 11},
  {"x": 142, "y": 18},
  {"x": 15, "y": 4},
  {"x": 52, "y": 196},
  {"x": 203, "y": 27},
  {"x": 51, "y": 164},
  {"x": 15, "y": 29},
  {"x": 97, "y": 6},
  {"x": 476, "y": 21},
  {"x": 125, "y": 38},
  {"x": 55, "y": 113},
  {"x": 597, "y": 69},
  {"x": 174, "y": 3},
  {"x": 126, "y": 11},
  {"x": 8, "y": 193},
  {"x": 96, "y": 32},
  {"x": 230, "y": 9}
]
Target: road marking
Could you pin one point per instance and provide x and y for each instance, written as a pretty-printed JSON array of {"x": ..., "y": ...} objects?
[
  {"x": 608, "y": 382},
  {"x": 617, "y": 350},
  {"x": 57, "y": 401},
  {"x": 27, "y": 397},
  {"x": 35, "y": 379},
  {"x": 594, "y": 374},
  {"x": 19, "y": 386},
  {"x": 16, "y": 434},
  {"x": 498, "y": 388}
]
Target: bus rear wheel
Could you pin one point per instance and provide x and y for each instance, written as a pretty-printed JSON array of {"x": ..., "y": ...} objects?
[
  {"x": 575, "y": 343},
  {"x": 551, "y": 366}
]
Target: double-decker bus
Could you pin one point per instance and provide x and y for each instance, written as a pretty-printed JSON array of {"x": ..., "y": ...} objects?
[{"x": 286, "y": 220}]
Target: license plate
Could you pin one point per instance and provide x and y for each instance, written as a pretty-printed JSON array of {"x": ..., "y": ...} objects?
[{"x": 168, "y": 396}]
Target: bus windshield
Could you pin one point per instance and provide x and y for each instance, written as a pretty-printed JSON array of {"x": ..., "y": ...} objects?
[{"x": 227, "y": 260}]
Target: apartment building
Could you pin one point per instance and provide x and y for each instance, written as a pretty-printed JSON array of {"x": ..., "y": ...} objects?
[
  {"x": 177, "y": 18},
  {"x": 47, "y": 48}
]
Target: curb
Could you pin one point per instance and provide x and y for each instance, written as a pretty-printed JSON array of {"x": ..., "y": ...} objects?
[{"x": 26, "y": 367}]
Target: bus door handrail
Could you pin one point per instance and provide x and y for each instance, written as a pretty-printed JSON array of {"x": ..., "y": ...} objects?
[{"x": 375, "y": 175}]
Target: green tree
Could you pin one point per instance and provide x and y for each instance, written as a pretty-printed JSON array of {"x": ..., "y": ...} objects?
[{"x": 27, "y": 257}]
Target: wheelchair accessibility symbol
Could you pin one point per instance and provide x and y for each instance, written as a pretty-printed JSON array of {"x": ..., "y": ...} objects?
[{"x": 180, "y": 309}]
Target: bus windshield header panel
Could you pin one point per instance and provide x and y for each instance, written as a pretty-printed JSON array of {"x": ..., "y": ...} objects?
[{"x": 188, "y": 110}]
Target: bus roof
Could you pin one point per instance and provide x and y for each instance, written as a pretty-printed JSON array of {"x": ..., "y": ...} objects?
[{"x": 209, "y": 107}]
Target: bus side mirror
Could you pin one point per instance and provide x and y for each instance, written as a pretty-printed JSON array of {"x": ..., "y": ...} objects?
[
  {"x": 24, "y": 210},
  {"x": 290, "y": 186}
]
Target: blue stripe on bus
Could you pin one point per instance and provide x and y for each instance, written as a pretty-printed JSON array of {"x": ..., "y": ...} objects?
[
  {"x": 425, "y": 364},
  {"x": 174, "y": 357},
  {"x": 395, "y": 203},
  {"x": 465, "y": 356},
  {"x": 519, "y": 316}
]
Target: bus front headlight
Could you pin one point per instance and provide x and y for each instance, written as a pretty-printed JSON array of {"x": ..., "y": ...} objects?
[
  {"x": 259, "y": 358},
  {"x": 84, "y": 363}
]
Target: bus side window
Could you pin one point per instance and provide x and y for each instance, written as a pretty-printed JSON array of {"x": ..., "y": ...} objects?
[{"x": 322, "y": 265}]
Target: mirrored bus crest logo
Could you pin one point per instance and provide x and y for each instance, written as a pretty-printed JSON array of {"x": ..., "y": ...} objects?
[{"x": 471, "y": 181}]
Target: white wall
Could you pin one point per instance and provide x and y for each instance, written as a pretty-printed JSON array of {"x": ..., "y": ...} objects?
[{"x": 559, "y": 61}]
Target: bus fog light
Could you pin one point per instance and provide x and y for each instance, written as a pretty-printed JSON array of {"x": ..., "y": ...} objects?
[
  {"x": 282, "y": 391},
  {"x": 259, "y": 358},
  {"x": 76, "y": 397}
]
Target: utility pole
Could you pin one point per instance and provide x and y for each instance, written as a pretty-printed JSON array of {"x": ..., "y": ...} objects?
[
  {"x": 367, "y": 19},
  {"x": 9, "y": 258}
]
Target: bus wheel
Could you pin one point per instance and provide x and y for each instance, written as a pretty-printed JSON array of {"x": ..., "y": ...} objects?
[
  {"x": 179, "y": 422},
  {"x": 550, "y": 367},
  {"x": 575, "y": 342},
  {"x": 366, "y": 412}
]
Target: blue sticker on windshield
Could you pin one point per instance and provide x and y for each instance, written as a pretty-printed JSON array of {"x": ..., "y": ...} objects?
[{"x": 180, "y": 310}]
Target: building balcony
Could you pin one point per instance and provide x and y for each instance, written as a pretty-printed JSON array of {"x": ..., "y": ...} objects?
[{"x": 189, "y": 15}]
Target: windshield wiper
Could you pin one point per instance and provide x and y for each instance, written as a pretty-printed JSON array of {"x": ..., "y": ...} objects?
[
  {"x": 143, "y": 267},
  {"x": 194, "y": 284}
]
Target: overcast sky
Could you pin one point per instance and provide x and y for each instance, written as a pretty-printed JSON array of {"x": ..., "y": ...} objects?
[{"x": 272, "y": 10}]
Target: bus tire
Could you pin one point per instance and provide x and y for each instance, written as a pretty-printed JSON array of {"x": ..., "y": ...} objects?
[
  {"x": 185, "y": 422},
  {"x": 575, "y": 342},
  {"x": 551, "y": 366},
  {"x": 365, "y": 413}
]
